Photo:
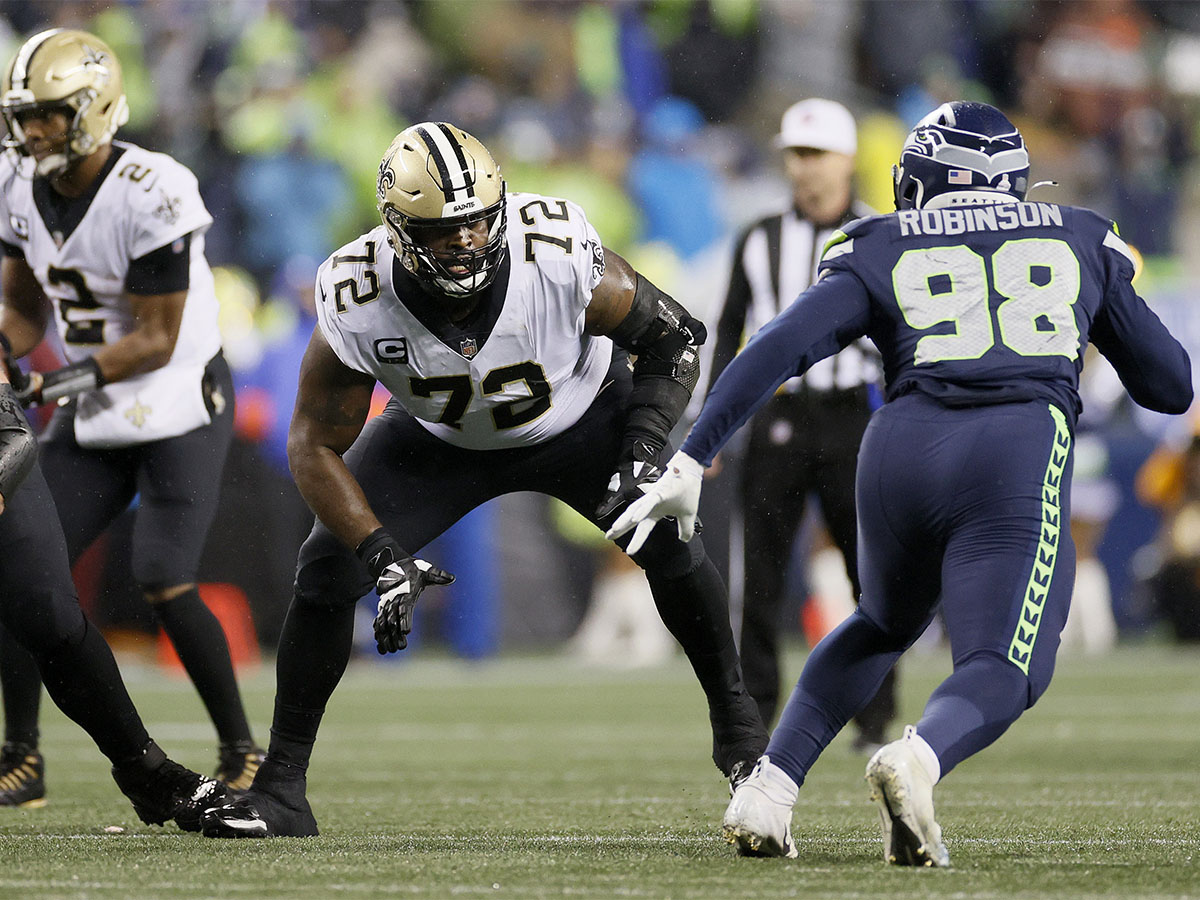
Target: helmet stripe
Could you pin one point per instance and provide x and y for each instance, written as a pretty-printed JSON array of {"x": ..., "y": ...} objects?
[
  {"x": 20, "y": 73},
  {"x": 441, "y": 150},
  {"x": 462, "y": 157}
]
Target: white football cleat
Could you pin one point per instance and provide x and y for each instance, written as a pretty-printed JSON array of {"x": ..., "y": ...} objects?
[
  {"x": 902, "y": 787},
  {"x": 758, "y": 820}
]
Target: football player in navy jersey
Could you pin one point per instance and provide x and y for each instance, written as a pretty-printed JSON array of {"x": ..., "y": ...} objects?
[
  {"x": 500, "y": 325},
  {"x": 103, "y": 243},
  {"x": 982, "y": 305}
]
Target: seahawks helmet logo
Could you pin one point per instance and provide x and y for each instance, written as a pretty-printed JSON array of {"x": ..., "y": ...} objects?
[{"x": 387, "y": 178}]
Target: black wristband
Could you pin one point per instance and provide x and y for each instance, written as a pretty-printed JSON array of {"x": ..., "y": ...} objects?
[
  {"x": 71, "y": 380},
  {"x": 378, "y": 551}
]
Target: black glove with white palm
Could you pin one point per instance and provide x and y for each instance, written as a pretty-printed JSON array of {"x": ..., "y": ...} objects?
[
  {"x": 676, "y": 494},
  {"x": 399, "y": 580},
  {"x": 636, "y": 470}
]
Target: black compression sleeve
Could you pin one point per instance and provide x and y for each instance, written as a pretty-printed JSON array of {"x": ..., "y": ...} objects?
[
  {"x": 18, "y": 447},
  {"x": 666, "y": 340}
]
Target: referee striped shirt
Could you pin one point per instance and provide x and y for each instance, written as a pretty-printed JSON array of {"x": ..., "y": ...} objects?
[{"x": 775, "y": 261}]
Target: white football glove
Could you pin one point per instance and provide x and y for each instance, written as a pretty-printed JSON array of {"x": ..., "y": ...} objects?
[{"x": 676, "y": 493}]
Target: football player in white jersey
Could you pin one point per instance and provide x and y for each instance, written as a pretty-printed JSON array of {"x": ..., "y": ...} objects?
[
  {"x": 502, "y": 329},
  {"x": 106, "y": 240}
]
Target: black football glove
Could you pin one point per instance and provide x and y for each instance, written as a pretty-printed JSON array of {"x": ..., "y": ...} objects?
[
  {"x": 60, "y": 385},
  {"x": 399, "y": 586},
  {"x": 399, "y": 580},
  {"x": 636, "y": 471}
]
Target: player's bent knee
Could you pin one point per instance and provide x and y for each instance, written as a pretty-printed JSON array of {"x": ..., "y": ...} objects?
[
  {"x": 154, "y": 576},
  {"x": 666, "y": 556},
  {"x": 46, "y": 625},
  {"x": 331, "y": 582},
  {"x": 1006, "y": 682}
]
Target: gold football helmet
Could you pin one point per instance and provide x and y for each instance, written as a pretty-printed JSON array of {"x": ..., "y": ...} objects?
[
  {"x": 71, "y": 71},
  {"x": 433, "y": 177}
]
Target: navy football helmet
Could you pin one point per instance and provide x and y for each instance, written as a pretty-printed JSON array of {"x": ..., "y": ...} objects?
[{"x": 956, "y": 153}]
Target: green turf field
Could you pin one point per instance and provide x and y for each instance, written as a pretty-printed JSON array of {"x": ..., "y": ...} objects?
[{"x": 532, "y": 777}]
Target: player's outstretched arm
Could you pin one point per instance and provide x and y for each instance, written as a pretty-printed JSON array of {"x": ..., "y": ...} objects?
[
  {"x": 665, "y": 341},
  {"x": 675, "y": 494}
]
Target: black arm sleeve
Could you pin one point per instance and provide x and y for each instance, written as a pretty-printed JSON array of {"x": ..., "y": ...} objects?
[
  {"x": 666, "y": 340},
  {"x": 18, "y": 447},
  {"x": 163, "y": 271}
]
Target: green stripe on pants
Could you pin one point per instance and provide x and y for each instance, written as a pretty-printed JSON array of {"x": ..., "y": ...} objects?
[{"x": 1020, "y": 651}]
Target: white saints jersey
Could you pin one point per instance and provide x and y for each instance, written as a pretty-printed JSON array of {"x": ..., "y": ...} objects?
[
  {"x": 144, "y": 202},
  {"x": 530, "y": 378}
]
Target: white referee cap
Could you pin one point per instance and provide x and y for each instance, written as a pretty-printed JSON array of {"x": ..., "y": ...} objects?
[{"x": 820, "y": 124}]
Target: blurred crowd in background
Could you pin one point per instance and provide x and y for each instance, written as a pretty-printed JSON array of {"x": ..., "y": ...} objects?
[{"x": 657, "y": 117}]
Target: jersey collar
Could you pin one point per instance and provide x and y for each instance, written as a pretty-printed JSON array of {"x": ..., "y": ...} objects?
[
  {"x": 467, "y": 337},
  {"x": 62, "y": 214}
]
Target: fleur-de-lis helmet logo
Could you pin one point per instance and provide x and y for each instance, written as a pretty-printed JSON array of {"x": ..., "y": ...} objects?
[{"x": 387, "y": 177}]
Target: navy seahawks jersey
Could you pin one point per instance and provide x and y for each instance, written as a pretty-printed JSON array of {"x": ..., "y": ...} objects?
[{"x": 972, "y": 306}]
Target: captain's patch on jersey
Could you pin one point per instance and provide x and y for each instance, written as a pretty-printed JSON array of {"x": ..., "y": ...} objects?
[{"x": 392, "y": 350}]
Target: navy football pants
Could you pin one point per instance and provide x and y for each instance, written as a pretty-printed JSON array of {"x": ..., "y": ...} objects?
[{"x": 966, "y": 510}]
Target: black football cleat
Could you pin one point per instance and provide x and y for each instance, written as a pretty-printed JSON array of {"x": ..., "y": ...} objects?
[
  {"x": 260, "y": 814},
  {"x": 739, "y": 772},
  {"x": 160, "y": 789},
  {"x": 22, "y": 776},
  {"x": 237, "y": 764}
]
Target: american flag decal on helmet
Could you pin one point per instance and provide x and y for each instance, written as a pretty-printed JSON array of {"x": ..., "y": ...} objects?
[{"x": 958, "y": 176}]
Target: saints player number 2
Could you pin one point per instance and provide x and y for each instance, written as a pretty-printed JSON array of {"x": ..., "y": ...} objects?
[
  {"x": 1038, "y": 277},
  {"x": 459, "y": 391},
  {"x": 76, "y": 330}
]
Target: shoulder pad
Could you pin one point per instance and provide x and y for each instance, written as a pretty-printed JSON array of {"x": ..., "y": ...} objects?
[{"x": 842, "y": 241}]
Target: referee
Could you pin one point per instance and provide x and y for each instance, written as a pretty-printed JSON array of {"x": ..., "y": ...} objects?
[{"x": 805, "y": 440}]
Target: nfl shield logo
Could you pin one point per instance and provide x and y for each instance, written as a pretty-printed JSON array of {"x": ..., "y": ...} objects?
[{"x": 469, "y": 347}]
